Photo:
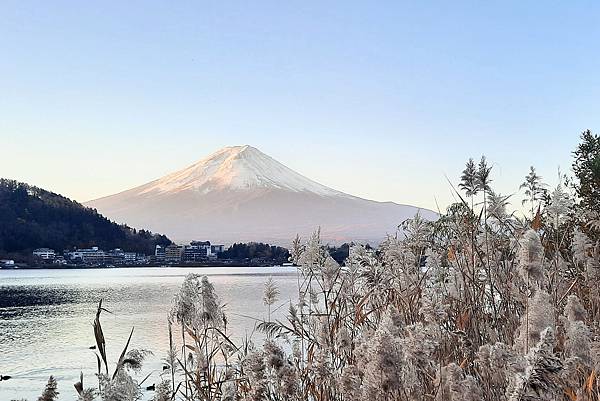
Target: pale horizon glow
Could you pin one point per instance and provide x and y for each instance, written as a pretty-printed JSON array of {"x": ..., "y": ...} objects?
[{"x": 379, "y": 101}]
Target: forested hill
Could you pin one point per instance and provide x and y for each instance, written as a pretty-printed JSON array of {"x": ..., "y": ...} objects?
[
  {"x": 256, "y": 250},
  {"x": 31, "y": 217}
]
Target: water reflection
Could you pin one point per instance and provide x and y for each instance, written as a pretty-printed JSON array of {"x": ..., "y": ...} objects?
[{"x": 46, "y": 317}]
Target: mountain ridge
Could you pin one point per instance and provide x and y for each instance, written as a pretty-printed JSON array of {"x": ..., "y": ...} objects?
[
  {"x": 238, "y": 193},
  {"x": 31, "y": 217}
]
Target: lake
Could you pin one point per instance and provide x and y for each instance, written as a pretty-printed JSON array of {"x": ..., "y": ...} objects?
[{"x": 46, "y": 318}]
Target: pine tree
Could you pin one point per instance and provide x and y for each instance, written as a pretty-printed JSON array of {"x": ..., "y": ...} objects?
[{"x": 587, "y": 170}]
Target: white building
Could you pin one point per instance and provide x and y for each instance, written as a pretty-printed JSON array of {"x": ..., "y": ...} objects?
[
  {"x": 7, "y": 263},
  {"x": 196, "y": 251},
  {"x": 44, "y": 253},
  {"x": 92, "y": 255},
  {"x": 130, "y": 257},
  {"x": 159, "y": 253}
]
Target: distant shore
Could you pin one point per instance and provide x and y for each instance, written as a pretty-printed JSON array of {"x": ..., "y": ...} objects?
[{"x": 190, "y": 265}]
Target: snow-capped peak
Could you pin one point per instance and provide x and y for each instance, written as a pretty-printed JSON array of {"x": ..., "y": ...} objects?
[
  {"x": 237, "y": 168},
  {"x": 239, "y": 194}
]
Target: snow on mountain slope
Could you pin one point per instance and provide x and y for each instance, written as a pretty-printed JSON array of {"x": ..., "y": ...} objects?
[
  {"x": 241, "y": 194},
  {"x": 236, "y": 167}
]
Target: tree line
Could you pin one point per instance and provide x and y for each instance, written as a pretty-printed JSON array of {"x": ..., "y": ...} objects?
[{"x": 31, "y": 217}]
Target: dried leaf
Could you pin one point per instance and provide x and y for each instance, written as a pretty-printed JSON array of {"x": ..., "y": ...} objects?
[
  {"x": 589, "y": 383},
  {"x": 462, "y": 320},
  {"x": 536, "y": 224},
  {"x": 451, "y": 254},
  {"x": 571, "y": 394}
]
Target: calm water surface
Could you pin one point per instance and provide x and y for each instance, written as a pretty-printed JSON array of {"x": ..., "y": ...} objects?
[{"x": 46, "y": 318}]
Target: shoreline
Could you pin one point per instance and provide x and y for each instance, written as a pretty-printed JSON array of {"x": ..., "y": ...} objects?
[{"x": 195, "y": 265}]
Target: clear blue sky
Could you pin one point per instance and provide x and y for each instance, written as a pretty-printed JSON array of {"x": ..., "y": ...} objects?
[{"x": 382, "y": 100}]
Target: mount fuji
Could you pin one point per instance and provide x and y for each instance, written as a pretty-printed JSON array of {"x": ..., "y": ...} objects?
[{"x": 239, "y": 194}]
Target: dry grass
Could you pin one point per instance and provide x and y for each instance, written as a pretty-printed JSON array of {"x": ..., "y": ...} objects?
[{"x": 478, "y": 305}]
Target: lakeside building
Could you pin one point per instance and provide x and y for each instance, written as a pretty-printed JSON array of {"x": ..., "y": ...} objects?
[
  {"x": 92, "y": 256},
  {"x": 44, "y": 253},
  {"x": 196, "y": 251},
  {"x": 119, "y": 257},
  {"x": 217, "y": 249},
  {"x": 159, "y": 254},
  {"x": 201, "y": 251},
  {"x": 7, "y": 263},
  {"x": 59, "y": 260},
  {"x": 173, "y": 253},
  {"x": 130, "y": 258}
]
